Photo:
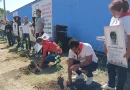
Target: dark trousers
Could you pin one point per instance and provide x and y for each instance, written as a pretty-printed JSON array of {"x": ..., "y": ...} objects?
[
  {"x": 88, "y": 68},
  {"x": 27, "y": 41},
  {"x": 10, "y": 39},
  {"x": 122, "y": 74},
  {"x": 50, "y": 58},
  {"x": 127, "y": 83},
  {"x": 18, "y": 41}
]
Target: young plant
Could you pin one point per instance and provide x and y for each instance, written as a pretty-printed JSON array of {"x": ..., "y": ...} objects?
[
  {"x": 59, "y": 68},
  {"x": 60, "y": 44}
]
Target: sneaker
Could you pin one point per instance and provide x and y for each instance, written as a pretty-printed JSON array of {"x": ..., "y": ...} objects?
[
  {"x": 106, "y": 87},
  {"x": 89, "y": 80},
  {"x": 78, "y": 77}
]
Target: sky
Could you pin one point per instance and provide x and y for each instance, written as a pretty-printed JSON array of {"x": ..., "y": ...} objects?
[{"x": 12, "y": 5}]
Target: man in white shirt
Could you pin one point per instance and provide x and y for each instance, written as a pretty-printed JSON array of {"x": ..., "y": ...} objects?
[
  {"x": 81, "y": 55},
  {"x": 26, "y": 37}
]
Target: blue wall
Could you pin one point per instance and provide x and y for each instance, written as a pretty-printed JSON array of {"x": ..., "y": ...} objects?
[
  {"x": 61, "y": 14},
  {"x": 23, "y": 11},
  {"x": 85, "y": 18}
]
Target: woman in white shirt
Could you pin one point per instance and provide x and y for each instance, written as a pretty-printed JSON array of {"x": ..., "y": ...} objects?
[{"x": 121, "y": 16}]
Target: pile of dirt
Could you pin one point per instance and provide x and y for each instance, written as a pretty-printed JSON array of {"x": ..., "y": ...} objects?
[
  {"x": 31, "y": 68},
  {"x": 25, "y": 70}
]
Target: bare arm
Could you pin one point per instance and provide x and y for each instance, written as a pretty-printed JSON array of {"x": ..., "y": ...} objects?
[
  {"x": 105, "y": 48},
  {"x": 70, "y": 63},
  {"x": 127, "y": 55},
  {"x": 42, "y": 61}
]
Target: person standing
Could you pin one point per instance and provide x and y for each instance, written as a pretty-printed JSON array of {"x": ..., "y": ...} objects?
[
  {"x": 121, "y": 16},
  {"x": 2, "y": 29},
  {"x": 26, "y": 37},
  {"x": 39, "y": 24},
  {"x": 17, "y": 20},
  {"x": 9, "y": 33}
]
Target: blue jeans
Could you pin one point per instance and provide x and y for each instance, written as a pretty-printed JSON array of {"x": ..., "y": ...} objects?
[
  {"x": 50, "y": 58},
  {"x": 88, "y": 68}
]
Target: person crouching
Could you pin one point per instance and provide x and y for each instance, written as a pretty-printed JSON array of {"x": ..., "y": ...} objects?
[
  {"x": 81, "y": 56},
  {"x": 48, "y": 46}
]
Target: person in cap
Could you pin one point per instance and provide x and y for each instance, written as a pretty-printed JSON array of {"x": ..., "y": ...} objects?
[
  {"x": 17, "y": 20},
  {"x": 48, "y": 46},
  {"x": 39, "y": 24}
]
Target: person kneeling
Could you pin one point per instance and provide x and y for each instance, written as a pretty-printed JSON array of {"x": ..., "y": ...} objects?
[
  {"x": 81, "y": 55},
  {"x": 48, "y": 46}
]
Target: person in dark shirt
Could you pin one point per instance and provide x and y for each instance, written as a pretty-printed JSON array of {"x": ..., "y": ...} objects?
[{"x": 8, "y": 31}]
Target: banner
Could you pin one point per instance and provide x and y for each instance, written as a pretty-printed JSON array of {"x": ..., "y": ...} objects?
[
  {"x": 31, "y": 31},
  {"x": 2, "y": 27},
  {"x": 21, "y": 31},
  {"x": 15, "y": 29},
  {"x": 37, "y": 47},
  {"x": 115, "y": 41},
  {"x": 15, "y": 13},
  {"x": 46, "y": 7}
]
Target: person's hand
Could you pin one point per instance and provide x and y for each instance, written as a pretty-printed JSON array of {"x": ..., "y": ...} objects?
[
  {"x": 68, "y": 82},
  {"x": 39, "y": 68},
  {"x": 75, "y": 67},
  {"x": 40, "y": 65},
  {"x": 127, "y": 56}
]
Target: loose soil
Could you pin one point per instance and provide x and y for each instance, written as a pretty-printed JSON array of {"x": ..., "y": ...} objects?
[{"x": 15, "y": 76}]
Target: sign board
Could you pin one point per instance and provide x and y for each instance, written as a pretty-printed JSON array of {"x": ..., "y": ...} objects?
[
  {"x": 2, "y": 27},
  {"x": 15, "y": 29},
  {"x": 46, "y": 8},
  {"x": 37, "y": 47},
  {"x": 31, "y": 31},
  {"x": 115, "y": 41},
  {"x": 15, "y": 13},
  {"x": 21, "y": 31}
]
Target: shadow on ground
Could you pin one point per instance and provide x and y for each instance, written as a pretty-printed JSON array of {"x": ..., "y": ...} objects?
[
  {"x": 6, "y": 47},
  {"x": 2, "y": 42},
  {"x": 15, "y": 50},
  {"x": 81, "y": 85},
  {"x": 77, "y": 85},
  {"x": 49, "y": 70}
]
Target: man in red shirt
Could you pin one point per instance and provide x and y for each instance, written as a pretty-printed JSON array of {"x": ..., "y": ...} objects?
[{"x": 48, "y": 46}]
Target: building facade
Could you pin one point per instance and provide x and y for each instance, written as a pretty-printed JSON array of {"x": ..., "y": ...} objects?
[{"x": 85, "y": 18}]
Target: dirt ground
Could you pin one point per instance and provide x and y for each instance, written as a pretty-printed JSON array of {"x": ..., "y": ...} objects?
[{"x": 12, "y": 78}]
